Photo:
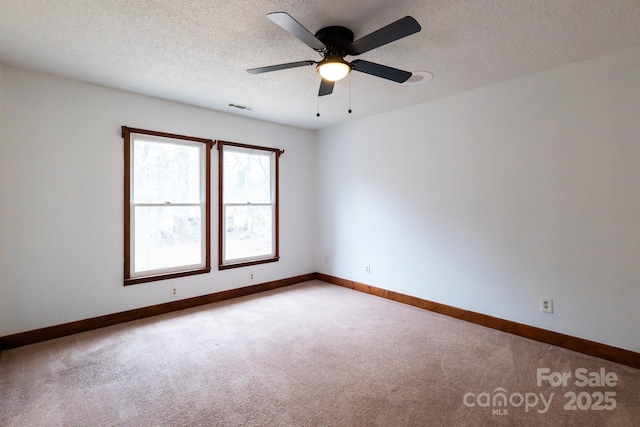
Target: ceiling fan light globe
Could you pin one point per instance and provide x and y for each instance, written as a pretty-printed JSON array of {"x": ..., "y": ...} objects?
[{"x": 334, "y": 70}]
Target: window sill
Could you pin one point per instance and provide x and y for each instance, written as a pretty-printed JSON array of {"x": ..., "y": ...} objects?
[
  {"x": 146, "y": 279},
  {"x": 247, "y": 263}
]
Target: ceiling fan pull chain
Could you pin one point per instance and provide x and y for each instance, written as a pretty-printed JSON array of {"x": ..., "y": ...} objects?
[
  {"x": 349, "y": 94},
  {"x": 318, "y": 114}
]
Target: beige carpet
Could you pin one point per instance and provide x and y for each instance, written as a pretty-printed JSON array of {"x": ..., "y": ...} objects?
[{"x": 312, "y": 354}]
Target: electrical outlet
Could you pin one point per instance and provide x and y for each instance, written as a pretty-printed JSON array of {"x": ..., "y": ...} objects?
[
  {"x": 326, "y": 259},
  {"x": 546, "y": 305},
  {"x": 251, "y": 276},
  {"x": 174, "y": 292},
  {"x": 367, "y": 269}
]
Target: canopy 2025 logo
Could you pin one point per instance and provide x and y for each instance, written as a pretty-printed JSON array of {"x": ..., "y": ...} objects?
[{"x": 595, "y": 400}]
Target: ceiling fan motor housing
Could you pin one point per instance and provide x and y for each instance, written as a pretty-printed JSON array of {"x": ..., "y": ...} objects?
[{"x": 336, "y": 39}]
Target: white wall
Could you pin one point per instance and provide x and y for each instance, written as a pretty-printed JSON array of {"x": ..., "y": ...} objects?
[
  {"x": 493, "y": 198},
  {"x": 486, "y": 200},
  {"x": 61, "y": 198}
]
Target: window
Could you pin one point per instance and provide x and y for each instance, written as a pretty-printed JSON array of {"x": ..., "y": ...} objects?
[
  {"x": 166, "y": 205},
  {"x": 248, "y": 204}
]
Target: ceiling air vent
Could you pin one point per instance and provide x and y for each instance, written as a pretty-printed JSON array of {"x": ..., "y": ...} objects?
[{"x": 240, "y": 107}]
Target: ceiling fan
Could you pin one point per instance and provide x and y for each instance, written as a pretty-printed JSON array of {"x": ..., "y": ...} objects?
[{"x": 335, "y": 42}]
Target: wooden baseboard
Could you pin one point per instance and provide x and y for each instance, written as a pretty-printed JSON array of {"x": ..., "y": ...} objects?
[
  {"x": 591, "y": 348},
  {"x": 57, "y": 331}
]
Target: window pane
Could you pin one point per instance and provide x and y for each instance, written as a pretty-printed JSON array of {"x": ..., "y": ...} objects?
[
  {"x": 248, "y": 231},
  {"x": 166, "y": 172},
  {"x": 167, "y": 237},
  {"x": 247, "y": 176}
]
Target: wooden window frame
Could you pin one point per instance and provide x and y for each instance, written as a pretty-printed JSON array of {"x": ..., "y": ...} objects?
[
  {"x": 126, "y": 135},
  {"x": 276, "y": 257}
]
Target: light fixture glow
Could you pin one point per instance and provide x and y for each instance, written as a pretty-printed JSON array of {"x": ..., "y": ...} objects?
[{"x": 333, "y": 69}]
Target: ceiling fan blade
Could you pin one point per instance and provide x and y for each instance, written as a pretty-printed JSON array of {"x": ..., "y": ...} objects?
[
  {"x": 292, "y": 26},
  {"x": 326, "y": 87},
  {"x": 270, "y": 68},
  {"x": 383, "y": 71},
  {"x": 396, "y": 30}
]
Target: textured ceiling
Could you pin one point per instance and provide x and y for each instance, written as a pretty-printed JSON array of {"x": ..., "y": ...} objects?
[{"x": 197, "y": 51}]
